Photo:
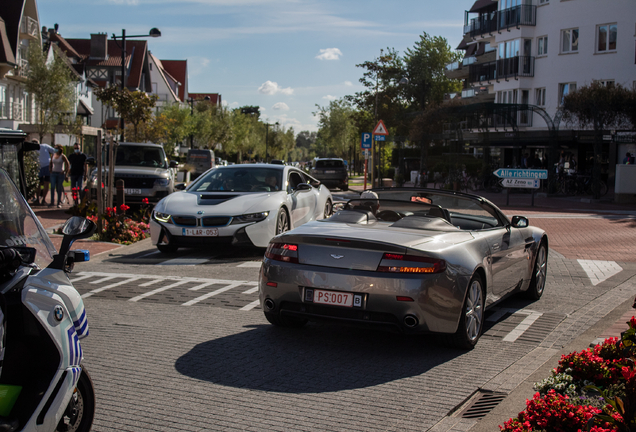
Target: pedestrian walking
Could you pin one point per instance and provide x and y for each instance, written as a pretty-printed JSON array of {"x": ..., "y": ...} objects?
[
  {"x": 44, "y": 175},
  {"x": 59, "y": 167},
  {"x": 79, "y": 170}
]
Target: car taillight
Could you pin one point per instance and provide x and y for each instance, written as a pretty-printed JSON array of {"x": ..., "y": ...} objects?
[
  {"x": 399, "y": 263},
  {"x": 282, "y": 252}
]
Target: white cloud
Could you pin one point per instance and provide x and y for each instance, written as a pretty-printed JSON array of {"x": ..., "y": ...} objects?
[
  {"x": 224, "y": 103},
  {"x": 329, "y": 54},
  {"x": 348, "y": 83},
  {"x": 272, "y": 88},
  {"x": 234, "y": 104},
  {"x": 280, "y": 106},
  {"x": 329, "y": 97},
  {"x": 197, "y": 65}
]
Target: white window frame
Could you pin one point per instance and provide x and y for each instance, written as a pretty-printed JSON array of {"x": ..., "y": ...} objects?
[
  {"x": 570, "y": 48},
  {"x": 539, "y": 96},
  {"x": 4, "y": 108},
  {"x": 607, "y": 41},
  {"x": 606, "y": 83},
  {"x": 542, "y": 46},
  {"x": 542, "y": 2},
  {"x": 571, "y": 87}
]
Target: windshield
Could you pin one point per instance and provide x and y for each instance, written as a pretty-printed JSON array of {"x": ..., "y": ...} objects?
[
  {"x": 329, "y": 164},
  {"x": 19, "y": 226},
  {"x": 140, "y": 156},
  {"x": 240, "y": 179}
]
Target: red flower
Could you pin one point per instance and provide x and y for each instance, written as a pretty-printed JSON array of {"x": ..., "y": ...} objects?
[
  {"x": 145, "y": 201},
  {"x": 124, "y": 207}
]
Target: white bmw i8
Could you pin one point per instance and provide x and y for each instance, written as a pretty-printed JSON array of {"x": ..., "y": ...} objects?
[{"x": 238, "y": 204}]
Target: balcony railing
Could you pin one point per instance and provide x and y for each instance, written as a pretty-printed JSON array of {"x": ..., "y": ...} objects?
[
  {"x": 522, "y": 15},
  {"x": 23, "y": 68},
  {"x": 29, "y": 26},
  {"x": 513, "y": 67},
  {"x": 18, "y": 111}
]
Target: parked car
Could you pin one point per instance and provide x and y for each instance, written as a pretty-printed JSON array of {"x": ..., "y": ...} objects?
[
  {"x": 200, "y": 160},
  {"x": 331, "y": 172},
  {"x": 144, "y": 169},
  {"x": 238, "y": 204},
  {"x": 412, "y": 260}
]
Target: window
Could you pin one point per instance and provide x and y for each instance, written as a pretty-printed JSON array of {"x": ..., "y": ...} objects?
[
  {"x": 606, "y": 83},
  {"x": 539, "y": 97},
  {"x": 542, "y": 46},
  {"x": 606, "y": 37},
  {"x": 3, "y": 99},
  {"x": 569, "y": 40},
  {"x": 509, "y": 49},
  {"x": 544, "y": 2},
  {"x": 564, "y": 90}
]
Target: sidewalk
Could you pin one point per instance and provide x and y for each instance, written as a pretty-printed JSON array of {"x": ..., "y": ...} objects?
[{"x": 53, "y": 218}]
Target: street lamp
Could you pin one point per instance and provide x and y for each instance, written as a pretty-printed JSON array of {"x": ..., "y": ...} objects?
[
  {"x": 267, "y": 125},
  {"x": 154, "y": 32},
  {"x": 191, "y": 100}
]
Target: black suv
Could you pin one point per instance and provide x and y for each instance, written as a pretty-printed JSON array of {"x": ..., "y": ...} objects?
[{"x": 331, "y": 172}]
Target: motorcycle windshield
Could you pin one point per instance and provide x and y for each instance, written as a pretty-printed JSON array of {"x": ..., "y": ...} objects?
[{"x": 18, "y": 224}]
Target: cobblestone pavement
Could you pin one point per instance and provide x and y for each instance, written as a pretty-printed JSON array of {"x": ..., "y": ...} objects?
[{"x": 159, "y": 365}]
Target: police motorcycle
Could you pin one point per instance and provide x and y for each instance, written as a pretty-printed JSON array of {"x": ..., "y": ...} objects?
[{"x": 43, "y": 384}]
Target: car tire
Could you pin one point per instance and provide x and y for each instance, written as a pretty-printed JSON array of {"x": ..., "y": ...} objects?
[
  {"x": 471, "y": 322},
  {"x": 81, "y": 418},
  {"x": 328, "y": 209},
  {"x": 539, "y": 272},
  {"x": 282, "y": 221},
  {"x": 282, "y": 321},
  {"x": 167, "y": 248}
]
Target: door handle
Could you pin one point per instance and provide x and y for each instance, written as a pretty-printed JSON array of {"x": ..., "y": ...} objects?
[{"x": 495, "y": 246}]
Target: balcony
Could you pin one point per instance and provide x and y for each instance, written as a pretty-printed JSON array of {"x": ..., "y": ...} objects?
[
  {"x": 23, "y": 68},
  {"x": 522, "y": 15},
  {"x": 29, "y": 28},
  {"x": 514, "y": 67}
]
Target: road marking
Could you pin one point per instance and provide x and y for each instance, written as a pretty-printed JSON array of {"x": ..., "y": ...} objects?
[
  {"x": 203, "y": 285},
  {"x": 152, "y": 282},
  {"x": 184, "y": 261},
  {"x": 107, "y": 278},
  {"x": 158, "y": 290},
  {"x": 251, "y": 264},
  {"x": 599, "y": 271},
  {"x": 104, "y": 288},
  {"x": 251, "y": 305},
  {"x": 502, "y": 311},
  {"x": 522, "y": 327},
  {"x": 251, "y": 290},
  {"x": 148, "y": 254},
  {"x": 211, "y": 294},
  {"x": 77, "y": 279}
]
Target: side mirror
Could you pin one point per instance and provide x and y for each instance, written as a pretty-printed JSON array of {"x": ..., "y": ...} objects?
[
  {"x": 180, "y": 186},
  {"x": 520, "y": 222},
  {"x": 174, "y": 164},
  {"x": 302, "y": 187},
  {"x": 76, "y": 228}
]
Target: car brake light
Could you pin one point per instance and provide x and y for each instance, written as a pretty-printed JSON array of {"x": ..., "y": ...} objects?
[
  {"x": 282, "y": 252},
  {"x": 402, "y": 298},
  {"x": 399, "y": 263}
]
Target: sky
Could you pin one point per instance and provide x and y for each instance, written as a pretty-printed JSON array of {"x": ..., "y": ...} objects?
[{"x": 285, "y": 56}]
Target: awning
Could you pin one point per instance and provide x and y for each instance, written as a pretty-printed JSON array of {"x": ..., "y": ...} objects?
[{"x": 84, "y": 109}]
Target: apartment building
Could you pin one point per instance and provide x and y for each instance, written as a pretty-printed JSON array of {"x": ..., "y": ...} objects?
[{"x": 534, "y": 52}]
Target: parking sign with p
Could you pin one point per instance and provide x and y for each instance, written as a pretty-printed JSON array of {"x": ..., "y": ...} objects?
[{"x": 366, "y": 142}]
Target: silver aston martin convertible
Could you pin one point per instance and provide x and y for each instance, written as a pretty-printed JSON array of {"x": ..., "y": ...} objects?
[{"x": 412, "y": 260}]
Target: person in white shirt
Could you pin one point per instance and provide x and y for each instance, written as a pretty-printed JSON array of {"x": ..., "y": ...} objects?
[{"x": 45, "y": 175}]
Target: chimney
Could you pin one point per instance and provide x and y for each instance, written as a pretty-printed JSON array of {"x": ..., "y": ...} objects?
[{"x": 99, "y": 46}]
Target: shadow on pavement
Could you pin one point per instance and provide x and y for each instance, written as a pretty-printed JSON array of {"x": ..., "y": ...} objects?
[{"x": 315, "y": 359}]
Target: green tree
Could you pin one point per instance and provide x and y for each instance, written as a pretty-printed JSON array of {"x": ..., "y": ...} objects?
[
  {"x": 425, "y": 65},
  {"x": 170, "y": 126},
  {"x": 51, "y": 84},
  {"x": 337, "y": 132},
  {"x": 134, "y": 107},
  {"x": 600, "y": 108},
  {"x": 212, "y": 126},
  {"x": 248, "y": 135}
]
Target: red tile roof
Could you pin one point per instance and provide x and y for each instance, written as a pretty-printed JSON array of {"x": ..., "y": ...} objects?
[
  {"x": 215, "y": 98},
  {"x": 135, "y": 49},
  {"x": 63, "y": 45},
  {"x": 177, "y": 69}
]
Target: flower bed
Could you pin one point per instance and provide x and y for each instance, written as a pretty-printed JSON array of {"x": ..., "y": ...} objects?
[
  {"x": 118, "y": 224},
  {"x": 592, "y": 390}
]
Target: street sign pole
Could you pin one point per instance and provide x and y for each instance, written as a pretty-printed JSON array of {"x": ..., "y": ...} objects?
[{"x": 372, "y": 161}]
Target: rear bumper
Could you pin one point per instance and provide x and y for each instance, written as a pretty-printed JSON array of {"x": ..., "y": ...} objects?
[{"x": 437, "y": 304}]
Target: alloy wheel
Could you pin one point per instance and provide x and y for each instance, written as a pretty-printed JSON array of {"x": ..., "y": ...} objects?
[
  {"x": 541, "y": 269},
  {"x": 328, "y": 209},
  {"x": 474, "y": 310},
  {"x": 283, "y": 222}
]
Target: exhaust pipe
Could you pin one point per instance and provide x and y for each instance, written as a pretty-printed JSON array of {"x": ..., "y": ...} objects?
[
  {"x": 269, "y": 304},
  {"x": 410, "y": 321}
]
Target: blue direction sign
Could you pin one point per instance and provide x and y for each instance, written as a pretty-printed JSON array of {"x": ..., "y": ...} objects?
[
  {"x": 366, "y": 142},
  {"x": 522, "y": 173},
  {"x": 380, "y": 137}
]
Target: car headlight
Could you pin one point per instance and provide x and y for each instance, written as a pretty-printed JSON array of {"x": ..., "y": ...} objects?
[
  {"x": 253, "y": 217},
  {"x": 161, "y": 217},
  {"x": 162, "y": 182}
]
